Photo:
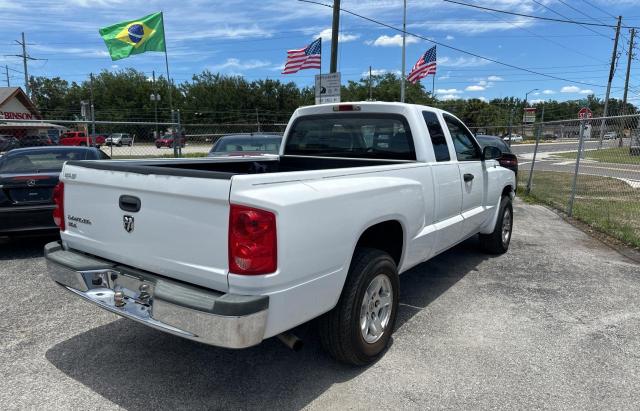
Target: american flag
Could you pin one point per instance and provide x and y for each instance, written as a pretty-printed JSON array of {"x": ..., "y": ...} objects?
[
  {"x": 307, "y": 58},
  {"x": 425, "y": 65}
]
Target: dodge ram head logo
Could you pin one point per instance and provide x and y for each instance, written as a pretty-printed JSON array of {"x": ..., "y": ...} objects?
[
  {"x": 31, "y": 183},
  {"x": 128, "y": 223}
]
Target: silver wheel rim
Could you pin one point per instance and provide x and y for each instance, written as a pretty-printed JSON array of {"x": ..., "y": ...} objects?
[
  {"x": 375, "y": 311},
  {"x": 506, "y": 227}
]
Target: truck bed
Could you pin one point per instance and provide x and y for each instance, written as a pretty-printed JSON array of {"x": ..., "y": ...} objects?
[{"x": 228, "y": 167}]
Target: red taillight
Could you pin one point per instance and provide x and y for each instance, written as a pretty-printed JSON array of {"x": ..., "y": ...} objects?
[
  {"x": 346, "y": 107},
  {"x": 252, "y": 241},
  {"x": 508, "y": 160},
  {"x": 58, "y": 200}
]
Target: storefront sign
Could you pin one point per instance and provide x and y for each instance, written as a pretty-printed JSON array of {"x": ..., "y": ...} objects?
[{"x": 10, "y": 115}]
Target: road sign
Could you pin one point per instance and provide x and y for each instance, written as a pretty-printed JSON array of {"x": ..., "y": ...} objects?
[
  {"x": 584, "y": 113},
  {"x": 328, "y": 88},
  {"x": 529, "y": 115}
]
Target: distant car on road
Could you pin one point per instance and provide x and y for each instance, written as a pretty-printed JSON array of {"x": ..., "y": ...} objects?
[
  {"x": 611, "y": 135},
  {"x": 507, "y": 159},
  {"x": 515, "y": 138},
  {"x": 119, "y": 139},
  {"x": 246, "y": 145},
  {"x": 167, "y": 141},
  {"x": 35, "y": 141},
  {"x": 27, "y": 178},
  {"x": 8, "y": 143},
  {"x": 634, "y": 149}
]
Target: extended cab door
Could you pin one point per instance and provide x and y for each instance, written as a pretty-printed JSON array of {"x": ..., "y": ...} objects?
[
  {"x": 448, "y": 186},
  {"x": 472, "y": 173}
]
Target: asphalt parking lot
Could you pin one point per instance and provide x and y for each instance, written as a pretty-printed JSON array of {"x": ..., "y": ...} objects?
[{"x": 554, "y": 323}]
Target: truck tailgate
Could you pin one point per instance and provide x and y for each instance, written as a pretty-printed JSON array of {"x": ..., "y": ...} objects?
[{"x": 179, "y": 231}]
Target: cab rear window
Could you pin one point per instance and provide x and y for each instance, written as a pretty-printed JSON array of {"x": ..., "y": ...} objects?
[{"x": 355, "y": 135}]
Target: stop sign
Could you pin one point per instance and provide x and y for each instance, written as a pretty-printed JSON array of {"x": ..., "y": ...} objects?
[{"x": 584, "y": 113}]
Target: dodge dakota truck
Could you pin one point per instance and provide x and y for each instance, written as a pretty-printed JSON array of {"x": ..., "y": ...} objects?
[{"x": 231, "y": 251}]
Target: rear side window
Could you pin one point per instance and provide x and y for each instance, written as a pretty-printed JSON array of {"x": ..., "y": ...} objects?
[
  {"x": 438, "y": 140},
  {"x": 466, "y": 148},
  {"x": 355, "y": 135}
]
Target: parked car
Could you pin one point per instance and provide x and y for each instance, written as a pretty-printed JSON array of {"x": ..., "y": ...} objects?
[
  {"x": 507, "y": 159},
  {"x": 264, "y": 244},
  {"x": 610, "y": 135},
  {"x": 246, "y": 144},
  {"x": 35, "y": 141},
  {"x": 27, "y": 180},
  {"x": 634, "y": 148},
  {"x": 8, "y": 143},
  {"x": 167, "y": 141},
  {"x": 80, "y": 138},
  {"x": 119, "y": 139},
  {"x": 515, "y": 138}
]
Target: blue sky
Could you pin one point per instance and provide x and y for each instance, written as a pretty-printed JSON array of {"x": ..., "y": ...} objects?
[{"x": 250, "y": 38}]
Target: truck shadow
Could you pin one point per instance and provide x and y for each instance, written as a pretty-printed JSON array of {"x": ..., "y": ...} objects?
[
  {"x": 140, "y": 368},
  {"x": 24, "y": 247}
]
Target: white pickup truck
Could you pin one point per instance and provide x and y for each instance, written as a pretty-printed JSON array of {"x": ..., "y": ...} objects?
[{"x": 232, "y": 251}]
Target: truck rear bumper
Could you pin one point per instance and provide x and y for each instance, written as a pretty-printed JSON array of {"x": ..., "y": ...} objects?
[{"x": 207, "y": 316}]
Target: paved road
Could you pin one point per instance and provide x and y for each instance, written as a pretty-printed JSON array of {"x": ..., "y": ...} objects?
[
  {"x": 571, "y": 145},
  {"x": 555, "y": 323}
]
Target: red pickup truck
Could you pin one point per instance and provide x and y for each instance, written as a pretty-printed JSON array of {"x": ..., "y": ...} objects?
[{"x": 79, "y": 138}]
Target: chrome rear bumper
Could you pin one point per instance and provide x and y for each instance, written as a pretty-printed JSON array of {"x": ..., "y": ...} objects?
[{"x": 207, "y": 316}]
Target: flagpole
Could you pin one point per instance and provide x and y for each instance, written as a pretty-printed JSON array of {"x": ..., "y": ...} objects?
[
  {"x": 320, "y": 78},
  {"x": 404, "y": 38},
  {"x": 166, "y": 62},
  {"x": 433, "y": 85}
]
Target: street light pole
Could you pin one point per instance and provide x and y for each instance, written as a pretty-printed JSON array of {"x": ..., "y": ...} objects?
[{"x": 404, "y": 46}]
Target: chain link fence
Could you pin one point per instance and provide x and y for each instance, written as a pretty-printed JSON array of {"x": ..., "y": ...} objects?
[
  {"x": 589, "y": 169},
  {"x": 122, "y": 140}
]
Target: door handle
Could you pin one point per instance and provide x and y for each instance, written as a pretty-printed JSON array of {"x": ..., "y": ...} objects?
[
  {"x": 130, "y": 203},
  {"x": 468, "y": 177}
]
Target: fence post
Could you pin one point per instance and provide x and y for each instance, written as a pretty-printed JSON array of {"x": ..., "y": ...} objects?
[
  {"x": 575, "y": 174},
  {"x": 535, "y": 152},
  {"x": 179, "y": 133}
]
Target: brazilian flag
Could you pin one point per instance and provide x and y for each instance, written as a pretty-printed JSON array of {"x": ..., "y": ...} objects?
[{"x": 134, "y": 36}]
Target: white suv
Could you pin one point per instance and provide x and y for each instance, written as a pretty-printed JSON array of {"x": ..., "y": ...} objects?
[{"x": 119, "y": 139}]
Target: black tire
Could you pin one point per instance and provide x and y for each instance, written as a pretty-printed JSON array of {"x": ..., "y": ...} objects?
[
  {"x": 130, "y": 143},
  {"x": 119, "y": 144},
  {"x": 340, "y": 330},
  {"x": 83, "y": 144},
  {"x": 497, "y": 242}
]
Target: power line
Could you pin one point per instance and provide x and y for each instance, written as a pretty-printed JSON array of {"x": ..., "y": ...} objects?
[
  {"x": 453, "y": 48},
  {"x": 561, "y": 15},
  {"x": 580, "y": 23},
  {"x": 598, "y": 8}
]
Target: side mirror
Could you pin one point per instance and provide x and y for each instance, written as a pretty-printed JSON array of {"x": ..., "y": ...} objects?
[{"x": 491, "y": 153}]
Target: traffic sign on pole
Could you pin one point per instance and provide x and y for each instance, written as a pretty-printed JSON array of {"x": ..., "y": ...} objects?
[{"x": 585, "y": 113}]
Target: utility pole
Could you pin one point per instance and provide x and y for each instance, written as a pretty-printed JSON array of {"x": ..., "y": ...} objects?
[
  {"x": 404, "y": 46},
  {"x": 626, "y": 81},
  {"x": 335, "y": 32},
  {"x": 6, "y": 70},
  {"x": 93, "y": 113},
  {"x": 612, "y": 70},
  {"x": 155, "y": 97},
  {"x": 370, "y": 85}
]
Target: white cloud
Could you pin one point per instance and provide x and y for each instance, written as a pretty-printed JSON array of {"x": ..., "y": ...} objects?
[
  {"x": 342, "y": 37},
  {"x": 536, "y": 101},
  {"x": 547, "y": 91},
  {"x": 570, "y": 89},
  {"x": 391, "y": 41},
  {"x": 449, "y": 37},
  {"x": 234, "y": 63},
  {"x": 473, "y": 27},
  {"x": 448, "y": 91},
  {"x": 586, "y": 91},
  {"x": 462, "y": 62},
  {"x": 446, "y": 76},
  {"x": 379, "y": 72},
  {"x": 495, "y": 78},
  {"x": 448, "y": 96},
  {"x": 475, "y": 87},
  {"x": 238, "y": 32}
]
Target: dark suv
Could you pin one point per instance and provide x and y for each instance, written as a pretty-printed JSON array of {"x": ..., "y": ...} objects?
[
  {"x": 35, "y": 141},
  {"x": 8, "y": 143},
  {"x": 634, "y": 148}
]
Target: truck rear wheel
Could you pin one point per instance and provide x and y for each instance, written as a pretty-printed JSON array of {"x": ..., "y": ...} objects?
[
  {"x": 359, "y": 328},
  {"x": 498, "y": 241}
]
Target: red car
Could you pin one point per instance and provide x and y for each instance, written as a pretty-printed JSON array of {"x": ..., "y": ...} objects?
[
  {"x": 167, "y": 141},
  {"x": 79, "y": 138}
]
